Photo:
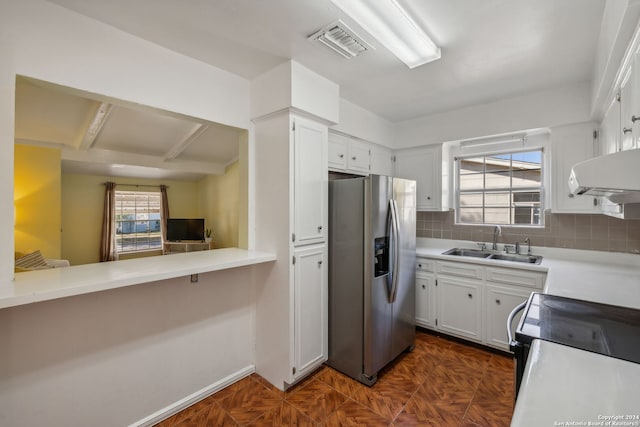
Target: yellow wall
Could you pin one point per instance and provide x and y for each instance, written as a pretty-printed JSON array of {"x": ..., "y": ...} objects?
[
  {"x": 220, "y": 197},
  {"x": 83, "y": 200},
  {"x": 37, "y": 198}
]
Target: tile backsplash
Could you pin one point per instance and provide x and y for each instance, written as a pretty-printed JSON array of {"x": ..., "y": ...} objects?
[{"x": 575, "y": 231}]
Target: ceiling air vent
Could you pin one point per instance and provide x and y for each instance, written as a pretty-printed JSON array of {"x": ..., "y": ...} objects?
[{"x": 341, "y": 39}]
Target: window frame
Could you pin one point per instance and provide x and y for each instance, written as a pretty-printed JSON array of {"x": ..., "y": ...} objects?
[
  {"x": 504, "y": 151},
  {"x": 118, "y": 247}
]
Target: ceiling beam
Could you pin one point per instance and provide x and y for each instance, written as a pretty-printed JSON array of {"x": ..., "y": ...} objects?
[
  {"x": 131, "y": 159},
  {"x": 189, "y": 138},
  {"x": 41, "y": 143},
  {"x": 92, "y": 131}
]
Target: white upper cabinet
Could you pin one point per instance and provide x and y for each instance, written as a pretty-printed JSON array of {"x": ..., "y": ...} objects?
[
  {"x": 423, "y": 165},
  {"x": 630, "y": 107},
  {"x": 627, "y": 101},
  {"x": 609, "y": 134},
  {"x": 569, "y": 145},
  {"x": 348, "y": 155},
  {"x": 620, "y": 127},
  {"x": 337, "y": 158},
  {"x": 382, "y": 160},
  {"x": 358, "y": 159},
  {"x": 310, "y": 183}
]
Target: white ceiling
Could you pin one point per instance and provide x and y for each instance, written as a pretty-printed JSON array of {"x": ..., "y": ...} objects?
[
  {"x": 491, "y": 49},
  {"x": 132, "y": 141}
]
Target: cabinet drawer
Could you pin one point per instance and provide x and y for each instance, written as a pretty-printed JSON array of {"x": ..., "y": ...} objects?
[
  {"x": 530, "y": 279},
  {"x": 423, "y": 264},
  {"x": 461, "y": 269}
]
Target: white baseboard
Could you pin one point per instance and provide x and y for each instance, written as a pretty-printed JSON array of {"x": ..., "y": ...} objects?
[{"x": 181, "y": 404}]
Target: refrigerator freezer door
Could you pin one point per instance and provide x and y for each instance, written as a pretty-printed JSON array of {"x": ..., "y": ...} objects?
[
  {"x": 346, "y": 293},
  {"x": 403, "y": 329}
]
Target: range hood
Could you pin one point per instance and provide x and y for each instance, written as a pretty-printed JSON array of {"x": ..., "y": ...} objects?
[
  {"x": 614, "y": 176},
  {"x": 614, "y": 179}
]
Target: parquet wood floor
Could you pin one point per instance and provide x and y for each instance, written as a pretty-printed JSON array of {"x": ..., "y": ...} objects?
[{"x": 440, "y": 383}]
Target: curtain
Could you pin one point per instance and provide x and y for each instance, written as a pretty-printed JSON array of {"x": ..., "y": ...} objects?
[
  {"x": 108, "y": 241},
  {"x": 164, "y": 211}
]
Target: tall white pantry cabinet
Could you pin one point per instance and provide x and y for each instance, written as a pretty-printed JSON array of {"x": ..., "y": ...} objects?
[{"x": 291, "y": 307}]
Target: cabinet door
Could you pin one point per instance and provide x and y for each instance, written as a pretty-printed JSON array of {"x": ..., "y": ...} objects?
[
  {"x": 633, "y": 110},
  {"x": 627, "y": 141},
  {"x": 499, "y": 301},
  {"x": 381, "y": 161},
  {"x": 422, "y": 166},
  {"x": 310, "y": 183},
  {"x": 425, "y": 300},
  {"x": 310, "y": 310},
  {"x": 609, "y": 140},
  {"x": 459, "y": 307},
  {"x": 570, "y": 145},
  {"x": 337, "y": 154},
  {"x": 358, "y": 156}
]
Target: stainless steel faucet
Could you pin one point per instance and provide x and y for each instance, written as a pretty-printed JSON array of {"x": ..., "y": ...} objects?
[
  {"x": 497, "y": 231},
  {"x": 528, "y": 243}
]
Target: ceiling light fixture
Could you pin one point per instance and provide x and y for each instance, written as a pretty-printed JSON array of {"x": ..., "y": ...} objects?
[{"x": 390, "y": 24}]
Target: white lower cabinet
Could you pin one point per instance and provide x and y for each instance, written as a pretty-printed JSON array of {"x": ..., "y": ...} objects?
[
  {"x": 425, "y": 300},
  {"x": 459, "y": 305},
  {"x": 310, "y": 310},
  {"x": 471, "y": 301},
  {"x": 498, "y": 303}
]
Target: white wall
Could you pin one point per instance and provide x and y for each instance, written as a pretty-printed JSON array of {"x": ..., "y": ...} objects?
[
  {"x": 363, "y": 124},
  {"x": 291, "y": 85},
  {"x": 558, "y": 106},
  {"x": 114, "y": 357}
]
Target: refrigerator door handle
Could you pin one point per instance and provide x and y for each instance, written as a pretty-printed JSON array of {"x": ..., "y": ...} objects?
[{"x": 396, "y": 249}]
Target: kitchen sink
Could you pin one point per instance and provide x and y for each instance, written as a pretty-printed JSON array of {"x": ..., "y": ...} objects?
[
  {"x": 467, "y": 252},
  {"x": 529, "y": 259},
  {"x": 478, "y": 253}
]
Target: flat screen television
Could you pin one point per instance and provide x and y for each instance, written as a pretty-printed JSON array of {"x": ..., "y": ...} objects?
[{"x": 179, "y": 229}]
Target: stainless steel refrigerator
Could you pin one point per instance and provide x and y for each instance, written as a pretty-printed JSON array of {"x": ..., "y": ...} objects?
[{"x": 372, "y": 257}]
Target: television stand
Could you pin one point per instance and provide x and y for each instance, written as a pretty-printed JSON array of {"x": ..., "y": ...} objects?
[{"x": 184, "y": 246}]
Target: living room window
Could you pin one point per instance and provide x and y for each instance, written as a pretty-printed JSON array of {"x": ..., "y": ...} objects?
[
  {"x": 138, "y": 221},
  {"x": 500, "y": 188}
]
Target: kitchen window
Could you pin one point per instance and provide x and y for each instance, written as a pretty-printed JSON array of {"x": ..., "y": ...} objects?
[
  {"x": 138, "y": 219},
  {"x": 500, "y": 188}
]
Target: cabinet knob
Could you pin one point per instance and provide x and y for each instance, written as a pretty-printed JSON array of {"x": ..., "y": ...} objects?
[
  {"x": 353, "y": 158},
  {"x": 424, "y": 287},
  {"x": 428, "y": 197},
  {"x": 470, "y": 295},
  {"x": 498, "y": 301},
  {"x": 341, "y": 156},
  {"x": 635, "y": 119},
  {"x": 626, "y": 130},
  {"x": 419, "y": 265},
  {"x": 319, "y": 228},
  {"x": 320, "y": 262}
]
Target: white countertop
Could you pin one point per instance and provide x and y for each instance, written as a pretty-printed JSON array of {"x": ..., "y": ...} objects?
[
  {"x": 43, "y": 285},
  {"x": 557, "y": 389},
  {"x": 562, "y": 384}
]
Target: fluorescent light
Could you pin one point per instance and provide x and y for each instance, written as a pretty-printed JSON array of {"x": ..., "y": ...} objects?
[{"x": 390, "y": 24}]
